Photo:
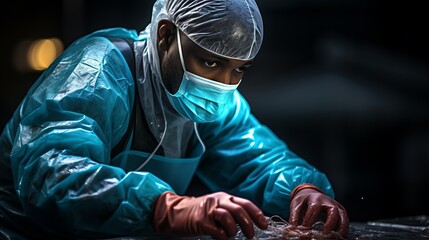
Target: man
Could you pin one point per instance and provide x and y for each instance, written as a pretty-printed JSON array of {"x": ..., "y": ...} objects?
[{"x": 101, "y": 147}]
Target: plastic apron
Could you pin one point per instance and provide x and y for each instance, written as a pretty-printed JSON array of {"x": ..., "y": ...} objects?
[{"x": 177, "y": 172}]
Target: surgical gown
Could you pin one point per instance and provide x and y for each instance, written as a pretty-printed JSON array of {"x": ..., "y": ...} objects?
[{"x": 57, "y": 179}]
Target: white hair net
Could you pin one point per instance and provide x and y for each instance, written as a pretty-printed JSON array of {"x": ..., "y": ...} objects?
[{"x": 229, "y": 28}]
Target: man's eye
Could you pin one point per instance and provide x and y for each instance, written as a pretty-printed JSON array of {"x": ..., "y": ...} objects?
[
  {"x": 240, "y": 69},
  {"x": 210, "y": 64}
]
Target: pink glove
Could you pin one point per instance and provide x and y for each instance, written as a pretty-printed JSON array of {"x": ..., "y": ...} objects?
[
  {"x": 214, "y": 214},
  {"x": 309, "y": 205}
]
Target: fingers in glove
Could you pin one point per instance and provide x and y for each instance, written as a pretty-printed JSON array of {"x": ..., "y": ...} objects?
[
  {"x": 297, "y": 209},
  {"x": 344, "y": 222},
  {"x": 226, "y": 221},
  {"x": 311, "y": 215},
  {"x": 241, "y": 217},
  {"x": 255, "y": 213},
  {"x": 332, "y": 220},
  {"x": 214, "y": 231}
]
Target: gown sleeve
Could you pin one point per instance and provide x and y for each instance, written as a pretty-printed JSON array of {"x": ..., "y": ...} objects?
[
  {"x": 247, "y": 159},
  {"x": 65, "y": 129}
]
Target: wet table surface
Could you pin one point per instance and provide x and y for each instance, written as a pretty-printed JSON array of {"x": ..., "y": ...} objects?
[{"x": 413, "y": 228}]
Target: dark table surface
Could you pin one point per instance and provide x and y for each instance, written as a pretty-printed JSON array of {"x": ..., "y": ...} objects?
[
  {"x": 404, "y": 228},
  {"x": 413, "y": 228}
]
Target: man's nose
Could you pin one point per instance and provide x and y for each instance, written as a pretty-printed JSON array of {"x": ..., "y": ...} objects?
[{"x": 225, "y": 77}]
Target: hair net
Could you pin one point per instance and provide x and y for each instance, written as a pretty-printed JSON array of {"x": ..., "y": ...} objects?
[{"x": 229, "y": 28}]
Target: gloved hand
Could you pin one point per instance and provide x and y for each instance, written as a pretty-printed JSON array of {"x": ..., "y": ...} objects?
[
  {"x": 309, "y": 205},
  {"x": 214, "y": 214}
]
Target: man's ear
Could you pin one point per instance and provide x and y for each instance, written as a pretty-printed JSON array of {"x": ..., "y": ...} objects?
[{"x": 166, "y": 30}]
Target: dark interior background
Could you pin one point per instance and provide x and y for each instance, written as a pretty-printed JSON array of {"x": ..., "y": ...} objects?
[{"x": 344, "y": 83}]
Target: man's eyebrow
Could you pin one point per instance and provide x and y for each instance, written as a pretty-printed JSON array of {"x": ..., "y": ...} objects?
[
  {"x": 248, "y": 63},
  {"x": 212, "y": 56}
]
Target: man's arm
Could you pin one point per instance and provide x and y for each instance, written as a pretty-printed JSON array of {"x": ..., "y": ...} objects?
[
  {"x": 61, "y": 154},
  {"x": 252, "y": 162}
]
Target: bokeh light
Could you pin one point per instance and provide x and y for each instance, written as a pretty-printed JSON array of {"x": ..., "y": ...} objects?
[{"x": 37, "y": 55}]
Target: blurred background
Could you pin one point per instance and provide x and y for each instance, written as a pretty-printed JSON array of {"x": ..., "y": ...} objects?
[{"x": 344, "y": 83}]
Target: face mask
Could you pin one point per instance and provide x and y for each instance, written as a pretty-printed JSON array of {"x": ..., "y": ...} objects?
[{"x": 198, "y": 98}]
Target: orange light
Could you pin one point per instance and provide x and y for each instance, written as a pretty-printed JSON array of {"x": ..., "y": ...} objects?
[{"x": 43, "y": 52}]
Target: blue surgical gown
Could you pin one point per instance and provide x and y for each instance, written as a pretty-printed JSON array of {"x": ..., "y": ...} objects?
[{"x": 56, "y": 176}]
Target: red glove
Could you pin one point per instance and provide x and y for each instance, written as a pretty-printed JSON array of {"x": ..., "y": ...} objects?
[
  {"x": 214, "y": 214},
  {"x": 309, "y": 205}
]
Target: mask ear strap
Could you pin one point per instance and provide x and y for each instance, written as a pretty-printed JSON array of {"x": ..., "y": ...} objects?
[{"x": 180, "y": 49}]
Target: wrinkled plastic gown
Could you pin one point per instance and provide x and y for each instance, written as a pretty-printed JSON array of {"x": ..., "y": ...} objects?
[{"x": 60, "y": 177}]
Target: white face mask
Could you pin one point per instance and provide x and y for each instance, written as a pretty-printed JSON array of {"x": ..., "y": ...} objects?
[{"x": 198, "y": 98}]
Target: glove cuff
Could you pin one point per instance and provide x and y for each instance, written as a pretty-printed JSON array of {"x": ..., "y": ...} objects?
[
  {"x": 161, "y": 209},
  {"x": 303, "y": 186}
]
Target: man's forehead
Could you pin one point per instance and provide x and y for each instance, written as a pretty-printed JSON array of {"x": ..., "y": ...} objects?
[{"x": 192, "y": 48}]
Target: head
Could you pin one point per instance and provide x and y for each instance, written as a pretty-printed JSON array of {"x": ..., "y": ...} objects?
[
  {"x": 196, "y": 59},
  {"x": 219, "y": 39}
]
